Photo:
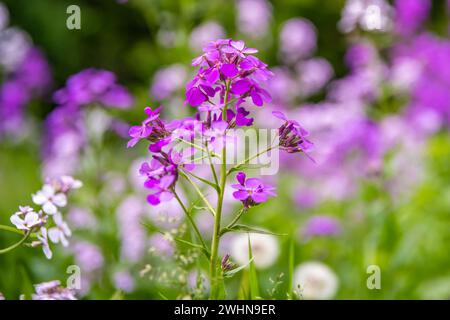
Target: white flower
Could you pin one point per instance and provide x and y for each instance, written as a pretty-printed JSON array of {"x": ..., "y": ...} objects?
[
  {"x": 43, "y": 241},
  {"x": 49, "y": 199},
  {"x": 315, "y": 280},
  {"x": 60, "y": 231},
  {"x": 30, "y": 220},
  {"x": 264, "y": 249},
  {"x": 24, "y": 210}
]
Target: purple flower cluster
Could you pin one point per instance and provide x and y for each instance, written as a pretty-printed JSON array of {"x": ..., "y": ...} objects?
[
  {"x": 228, "y": 76},
  {"x": 228, "y": 64},
  {"x": 65, "y": 127},
  {"x": 30, "y": 78}
]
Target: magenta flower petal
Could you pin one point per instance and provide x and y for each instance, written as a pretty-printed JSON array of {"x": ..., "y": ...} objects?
[
  {"x": 260, "y": 197},
  {"x": 229, "y": 70},
  {"x": 240, "y": 177},
  {"x": 256, "y": 98},
  {"x": 195, "y": 96},
  {"x": 240, "y": 87},
  {"x": 240, "y": 195}
]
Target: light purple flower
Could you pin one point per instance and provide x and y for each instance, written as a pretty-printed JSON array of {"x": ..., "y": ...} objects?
[
  {"x": 297, "y": 39},
  {"x": 52, "y": 291},
  {"x": 124, "y": 281},
  {"x": 204, "y": 33},
  {"x": 167, "y": 81},
  {"x": 322, "y": 226},
  {"x": 251, "y": 191},
  {"x": 254, "y": 17}
]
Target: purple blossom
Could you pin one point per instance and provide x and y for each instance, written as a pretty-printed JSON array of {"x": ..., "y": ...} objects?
[
  {"x": 151, "y": 128},
  {"x": 254, "y": 17},
  {"x": 251, "y": 191},
  {"x": 52, "y": 291},
  {"x": 292, "y": 136},
  {"x": 322, "y": 226},
  {"x": 297, "y": 39},
  {"x": 205, "y": 33},
  {"x": 410, "y": 15},
  {"x": 124, "y": 281},
  {"x": 228, "y": 61},
  {"x": 314, "y": 74},
  {"x": 167, "y": 81},
  {"x": 93, "y": 86}
]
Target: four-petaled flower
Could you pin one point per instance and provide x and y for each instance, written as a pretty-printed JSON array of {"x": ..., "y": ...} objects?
[
  {"x": 50, "y": 199},
  {"x": 251, "y": 191},
  {"x": 30, "y": 220}
]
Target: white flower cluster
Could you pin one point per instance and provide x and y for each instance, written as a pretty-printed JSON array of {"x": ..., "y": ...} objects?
[{"x": 51, "y": 197}]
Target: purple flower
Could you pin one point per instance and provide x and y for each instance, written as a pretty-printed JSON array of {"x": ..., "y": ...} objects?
[
  {"x": 228, "y": 61},
  {"x": 52, "y": 291},
  {"x": 167, "y": 80},
  {"x": 410, "y": 15},
  {"x": 292, "y": 135},
  {"x": 239, "y": 118},
  {"x": 251, "y": 191},
  {"x": 204, "y": 33},
  {"x": 162, "y": 190},
  {"x": 94, "y": 86},
  {"x": 152, "y": 128},
  {"x": 322, "y": 226},
  {"x": 297, "y": 39},
  {"x": 254, "y": 17}
]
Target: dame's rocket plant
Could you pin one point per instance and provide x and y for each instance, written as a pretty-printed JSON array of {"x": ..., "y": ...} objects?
[{"x": 229, "y": 78}]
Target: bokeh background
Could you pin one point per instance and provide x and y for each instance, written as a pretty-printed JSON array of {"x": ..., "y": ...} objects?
[{"x": 370, "y": 79}]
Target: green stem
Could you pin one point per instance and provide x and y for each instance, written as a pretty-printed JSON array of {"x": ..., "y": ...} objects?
[
  {"x": 197, "y": 232},
  {"x": 236, "y": 219},
  {"x": 216, "y": 234},
  {"x": 12, "y": 247},
  {"x": 212, "y": 168},
  {"x": 249, "y": 159},
  {"x": 14, "y": 230},
  {"x": 200, "y": 193}
]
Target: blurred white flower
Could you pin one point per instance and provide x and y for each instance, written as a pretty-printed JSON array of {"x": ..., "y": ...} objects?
[
  {"x": 369, "y": 15},
  {"x": 264, "y": 249},
  {"x": 60, "y": 231},
  {"x": 14, "y": 45},
  {"x": 30, "y": 220},
  {"x": 316, "y": 281},
  {"x": 4, "y": 16}
]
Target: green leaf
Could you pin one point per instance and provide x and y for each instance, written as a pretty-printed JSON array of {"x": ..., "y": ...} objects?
[
  {"x": 245, "y": 166},
  {"x": 212, "y": 184},
  {"x": 230, "y": 273},
  {"x": 253, "y": 277},
  {"x": 249, "y": 229},
  {"x": 290, "y": 282}
]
